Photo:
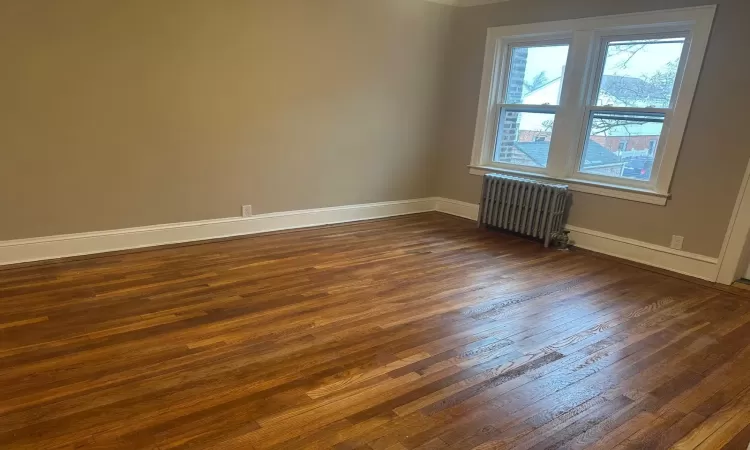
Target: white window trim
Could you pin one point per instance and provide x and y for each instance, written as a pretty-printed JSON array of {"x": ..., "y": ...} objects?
[{"x": 586, "y": 36}]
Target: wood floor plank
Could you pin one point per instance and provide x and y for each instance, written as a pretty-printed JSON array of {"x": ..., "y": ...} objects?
[{"x": 418, "y": 332}]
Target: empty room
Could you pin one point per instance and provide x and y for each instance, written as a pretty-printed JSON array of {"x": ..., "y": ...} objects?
[{"x": 374, "y": 224}]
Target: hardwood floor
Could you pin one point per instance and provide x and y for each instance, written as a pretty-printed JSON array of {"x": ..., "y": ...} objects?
[{"x": 415, "y": 332}]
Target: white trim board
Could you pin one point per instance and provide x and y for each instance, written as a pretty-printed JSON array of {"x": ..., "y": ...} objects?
[
  {"x": 699, "y": 266},
  {"x": 588, "y": 187},
  {"x": 736, "y": 245},
  {"x": 53, "y": 247},
  {"x": 62, "y": 246},
  {"x": 457, "y": 208},
  {"x": 465, "y": 3},
  {"x": 685, "y": 263}
]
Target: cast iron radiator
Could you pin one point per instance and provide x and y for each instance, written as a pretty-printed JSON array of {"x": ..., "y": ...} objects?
[{"x": 523, "y": 206}]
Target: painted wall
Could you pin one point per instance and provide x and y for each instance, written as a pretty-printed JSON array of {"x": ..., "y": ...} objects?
[
  {"x": 715, "y": 150},
  {"x": 140, "y": 112},
  {"x": 116, "y": 114}
]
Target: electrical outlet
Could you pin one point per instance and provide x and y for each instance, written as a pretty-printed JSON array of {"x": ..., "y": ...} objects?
[
  {"x": 677, "y": 242},
  {"x": 247, "y": 210}
]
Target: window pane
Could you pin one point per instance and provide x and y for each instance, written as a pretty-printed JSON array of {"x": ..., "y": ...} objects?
[
  {"x": 536, "y": 74},
  {"x": 524, "y": 138},
  {"x": 640, "y": 74},
  {"x": 622, "y": 145}
]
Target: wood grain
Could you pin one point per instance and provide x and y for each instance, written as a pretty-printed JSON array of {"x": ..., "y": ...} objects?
[{"x": 419, "y": 332}]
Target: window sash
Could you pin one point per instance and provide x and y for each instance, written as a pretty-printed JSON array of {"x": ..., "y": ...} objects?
[
  {"x": 632, "y": 182},
  {"x": 601, "y": 59},
  {"x": 539, "y": 109},
  {"x": 508, "y": 61}
]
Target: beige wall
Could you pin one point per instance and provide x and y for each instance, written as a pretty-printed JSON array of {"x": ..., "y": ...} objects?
[
  {"x": 716, "y": 146},
  {"x": 135, "y": 112},
  {"x": 125, "y": 113}
]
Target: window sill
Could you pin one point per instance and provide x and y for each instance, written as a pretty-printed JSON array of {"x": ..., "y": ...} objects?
[{"x": 589, "y": 187}]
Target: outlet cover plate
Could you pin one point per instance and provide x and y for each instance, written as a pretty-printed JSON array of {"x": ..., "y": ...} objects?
[{"x": 247, "y": 210}]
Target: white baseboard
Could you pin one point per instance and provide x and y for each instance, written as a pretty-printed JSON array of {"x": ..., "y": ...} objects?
[
  {"x": 53, "y": 247},
  {"x": 457, "y": 208},
  {"x": 699, "y": 266},
  {"x": 685, "y": 263}
]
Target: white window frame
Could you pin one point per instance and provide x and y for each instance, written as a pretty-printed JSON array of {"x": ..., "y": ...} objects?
[{"x": 588, "y": 40}]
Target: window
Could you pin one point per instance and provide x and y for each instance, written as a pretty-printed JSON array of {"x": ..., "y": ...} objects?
[
  {"x": 636, "y": 83},
  {"x": 599, "y": 103},
  {"x": 530, "y": 102}
]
